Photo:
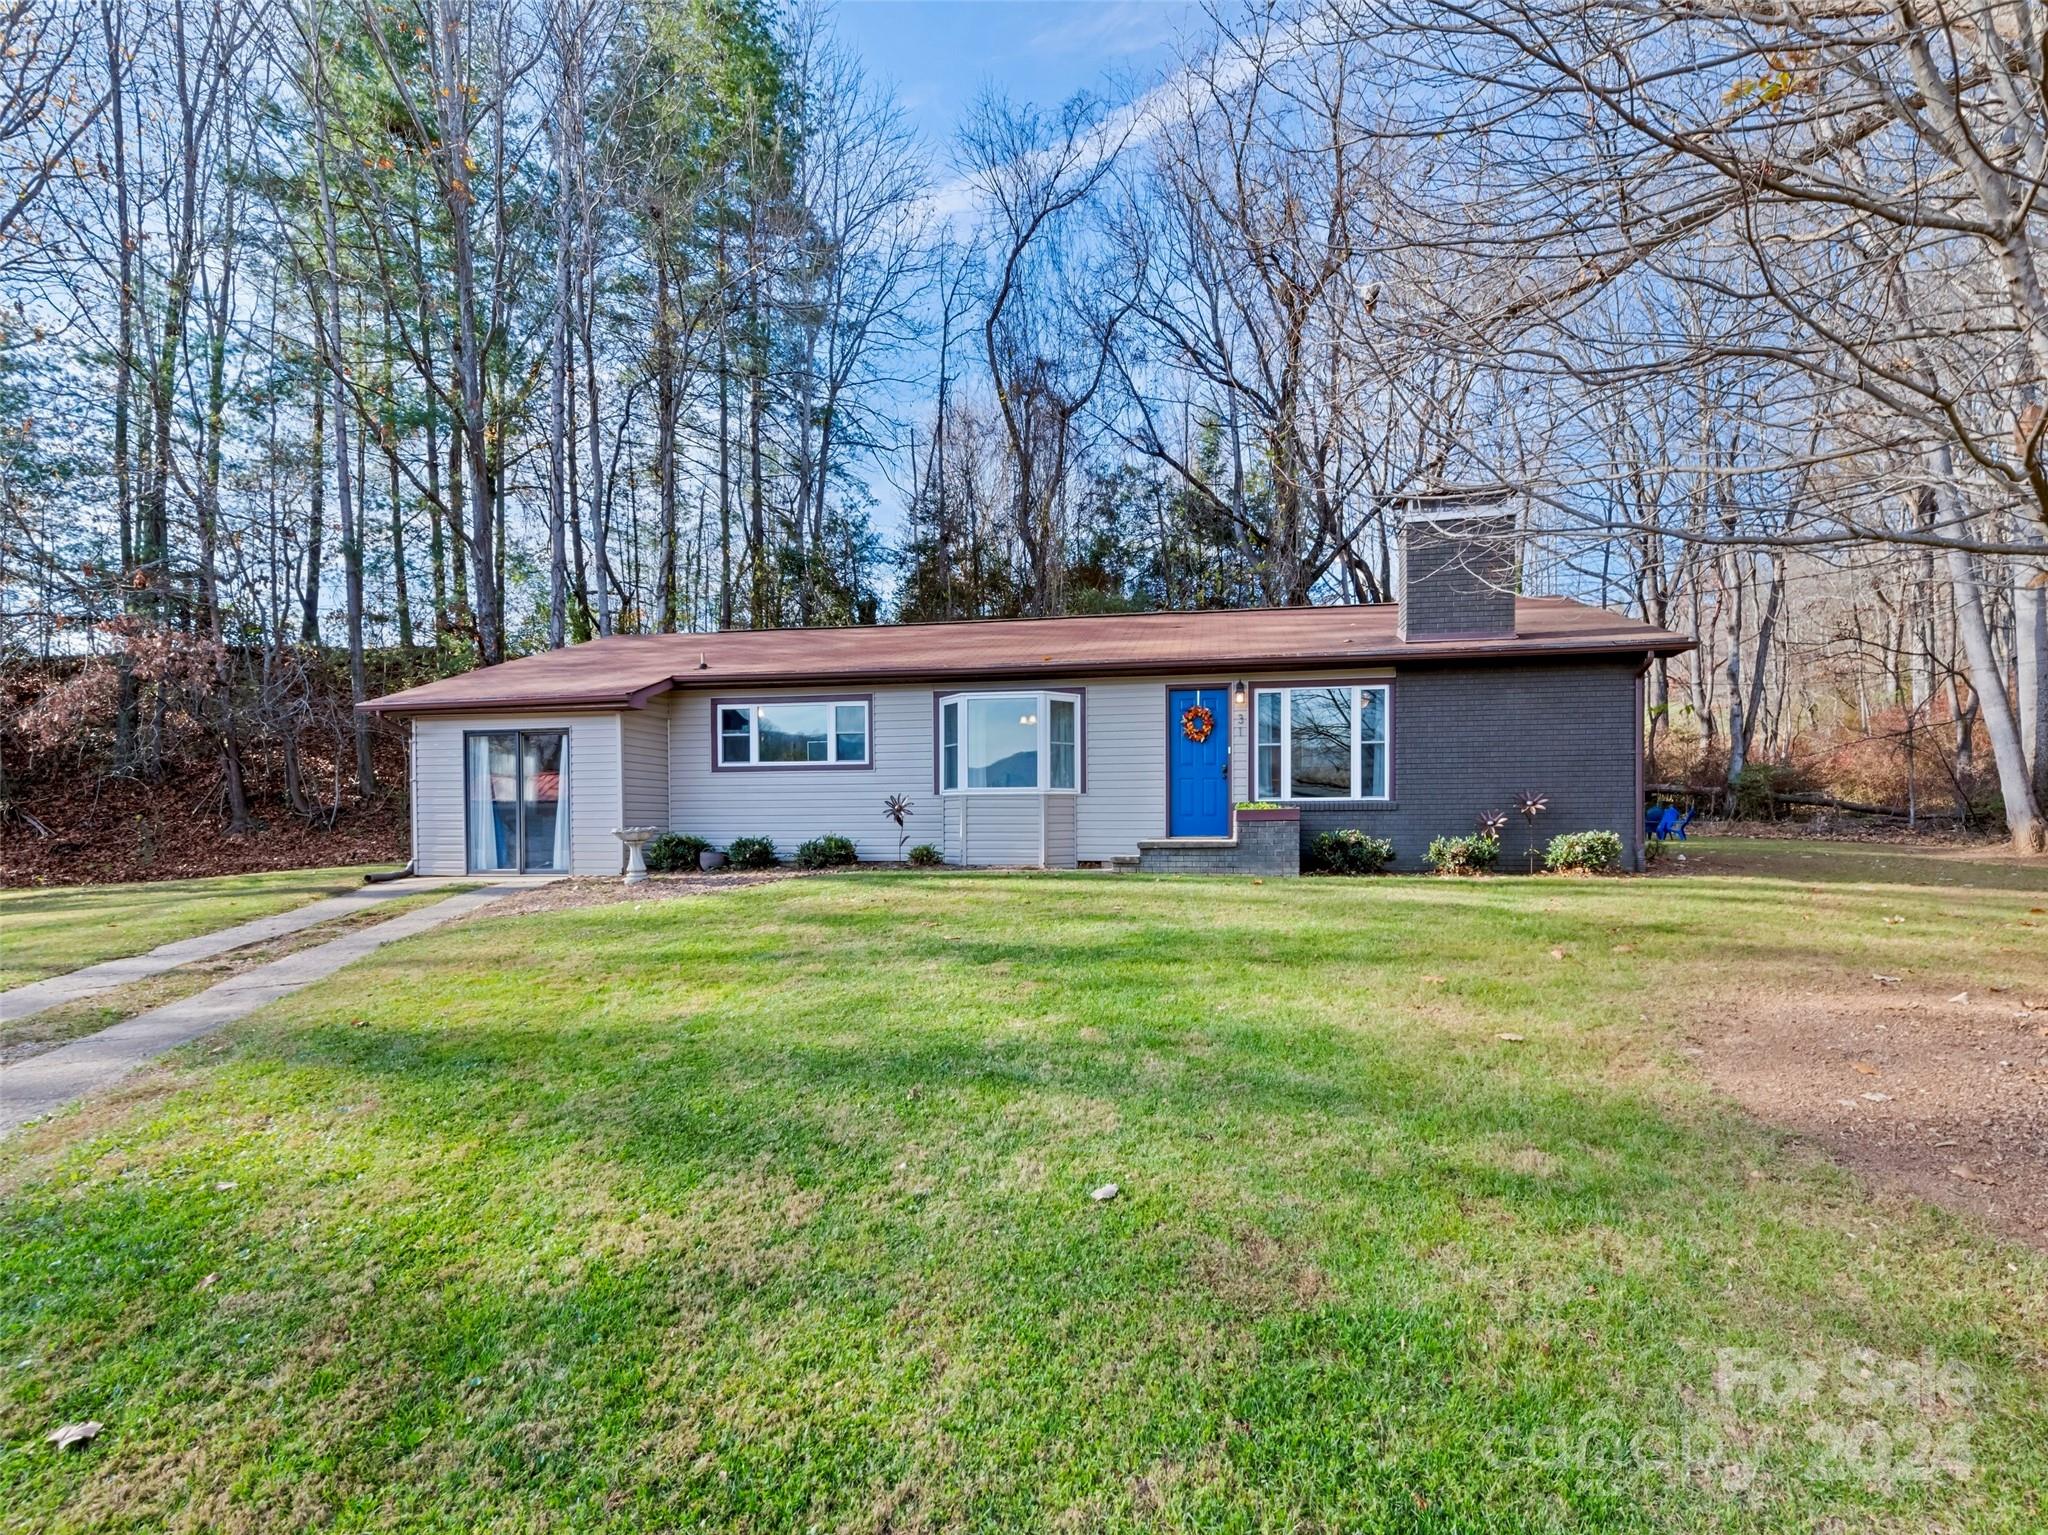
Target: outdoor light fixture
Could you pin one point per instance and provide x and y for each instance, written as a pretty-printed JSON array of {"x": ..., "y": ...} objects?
[{"x": 1237, "y": 693}]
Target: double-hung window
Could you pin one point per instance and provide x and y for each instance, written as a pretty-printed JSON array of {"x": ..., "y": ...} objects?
[
  {"x": 1325, "y": 742},
  {"x": 1009, "y": 743},
  {"x": 794, "y": 732}
]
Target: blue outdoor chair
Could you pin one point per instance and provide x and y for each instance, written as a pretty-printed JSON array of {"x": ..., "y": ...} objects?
[{"x": 1661, "y": 822}]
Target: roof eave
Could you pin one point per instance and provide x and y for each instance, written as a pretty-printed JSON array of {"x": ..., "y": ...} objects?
[
  {"x": 1652, "y": 643},
  {"x": 561, "y": 703}
]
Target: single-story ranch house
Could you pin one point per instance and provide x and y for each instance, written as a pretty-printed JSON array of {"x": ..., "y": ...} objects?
[{"x": 1113, "y": 740}]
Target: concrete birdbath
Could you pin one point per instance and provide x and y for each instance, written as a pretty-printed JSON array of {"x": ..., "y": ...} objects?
[{"x": 635, "y": 838}]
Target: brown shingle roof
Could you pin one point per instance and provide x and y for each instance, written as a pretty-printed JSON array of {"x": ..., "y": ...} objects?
[{"x": 627, "y": 670}]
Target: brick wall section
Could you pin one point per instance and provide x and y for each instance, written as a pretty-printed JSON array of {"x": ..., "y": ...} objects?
[
  {"x": 1467, "y": 739},
  {"x": 1268, "y": 848},
  {"x": 1457, "y": 577}
]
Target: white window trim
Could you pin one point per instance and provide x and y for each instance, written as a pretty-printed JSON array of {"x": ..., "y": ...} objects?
[
  {"x": 1285, "y": 788},
  {"x": 1041, "y": 703},
  {"x": 831, "y": 759}
]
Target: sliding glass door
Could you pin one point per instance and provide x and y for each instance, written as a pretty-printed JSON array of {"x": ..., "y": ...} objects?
[{"x": 518, "y": 811}]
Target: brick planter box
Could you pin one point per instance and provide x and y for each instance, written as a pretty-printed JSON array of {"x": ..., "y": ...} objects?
[{"x": 1265, "y": 842}]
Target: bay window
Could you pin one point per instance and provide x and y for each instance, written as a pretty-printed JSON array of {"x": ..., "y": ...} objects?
[
  {"x": 793, "y": 732},
  {"x": 1322, "y": 742},
  {"x": 1009, "y": 743}
]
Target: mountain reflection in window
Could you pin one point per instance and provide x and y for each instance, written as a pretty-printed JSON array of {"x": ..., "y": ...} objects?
[{"x": 793, "y": 732}]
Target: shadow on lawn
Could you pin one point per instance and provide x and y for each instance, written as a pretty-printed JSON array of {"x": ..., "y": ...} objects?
[{"x": 1164, "y": 1092}]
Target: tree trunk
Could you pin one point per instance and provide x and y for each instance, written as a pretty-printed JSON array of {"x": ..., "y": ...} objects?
[
  {"x": 600, "y": 508},
  {"x": 1766, "y": 631},
  {"x": 558, "y": 419},
  {"x": 458, "y": 566},
  {"x": 473, "y": 429},
  {"x": 724, "y": 454},
  {"x": 760, "y": 615},
  {"x": 400, "y": 596},
  {"x": 124, "y": 376},
  {"x": 1738, "y": 727},
  {"x": 294, "y": 783},
  {"x": 2030, "y": 650},
  {"x": 316, "y": 520},
  {"x": 232, "y": 778},
  {"x": 2022, "y": 811},
  {"x": 351, "y": 545},
  {"x": 667, "y": 405}
]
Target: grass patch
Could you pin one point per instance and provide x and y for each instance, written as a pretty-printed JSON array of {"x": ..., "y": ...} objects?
[
  {"x": 49, "y": 930},
  {"x": 769, "y": 1210},
  {"x": 20, "y": 1037}
]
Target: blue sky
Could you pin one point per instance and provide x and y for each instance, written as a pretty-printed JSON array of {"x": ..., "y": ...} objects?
[{"x": 941, "y": 54}]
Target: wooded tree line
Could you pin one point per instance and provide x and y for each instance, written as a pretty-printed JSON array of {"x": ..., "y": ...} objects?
[{"x": 419, "y": 333}]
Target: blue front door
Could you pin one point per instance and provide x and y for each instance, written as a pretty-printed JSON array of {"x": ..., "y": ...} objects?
[{"x": 1198, "y": 772}]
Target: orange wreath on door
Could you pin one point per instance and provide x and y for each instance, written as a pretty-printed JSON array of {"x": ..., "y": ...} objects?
[{"x": 1197, "y": 724}]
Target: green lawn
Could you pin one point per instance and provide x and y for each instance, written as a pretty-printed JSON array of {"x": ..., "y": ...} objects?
[
  {"x": 51, "y": 929},
  {"x": 769, "y": 1210}
]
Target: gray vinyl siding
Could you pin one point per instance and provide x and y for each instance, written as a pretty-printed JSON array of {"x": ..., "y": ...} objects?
[
  {"x": 1123, "y": 747},
  {"x": 1060, "y": 840},
  {"x": 643, "y": 764},
  {"x": 1124, "y": 737},
  {"x": 1001, "y": 829},
  {"x": 794, "y": 804},
  {"x": 438, "y": 789},
  {"x": 954, "y": 841}
]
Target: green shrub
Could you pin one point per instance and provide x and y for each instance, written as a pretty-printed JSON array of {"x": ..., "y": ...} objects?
[
  {"x": 925, "y": 856},
  {"x": 1258, "y": 804},
  {"x": 1586, "y": 852},
  {"x": 1463, "y": 855},
  {"x": 828, "y": 852},
  {"x": 752, "y": 853},
  {"x": 673, "y": 853},
  {"x": 1753, "y": 787},
  {"x": 1350, "y": 851}
]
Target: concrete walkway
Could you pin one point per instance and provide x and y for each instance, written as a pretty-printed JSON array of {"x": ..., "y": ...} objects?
[
  {"x": 26, "y": 1001},
  {"x": 32, "y": 1088}
]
